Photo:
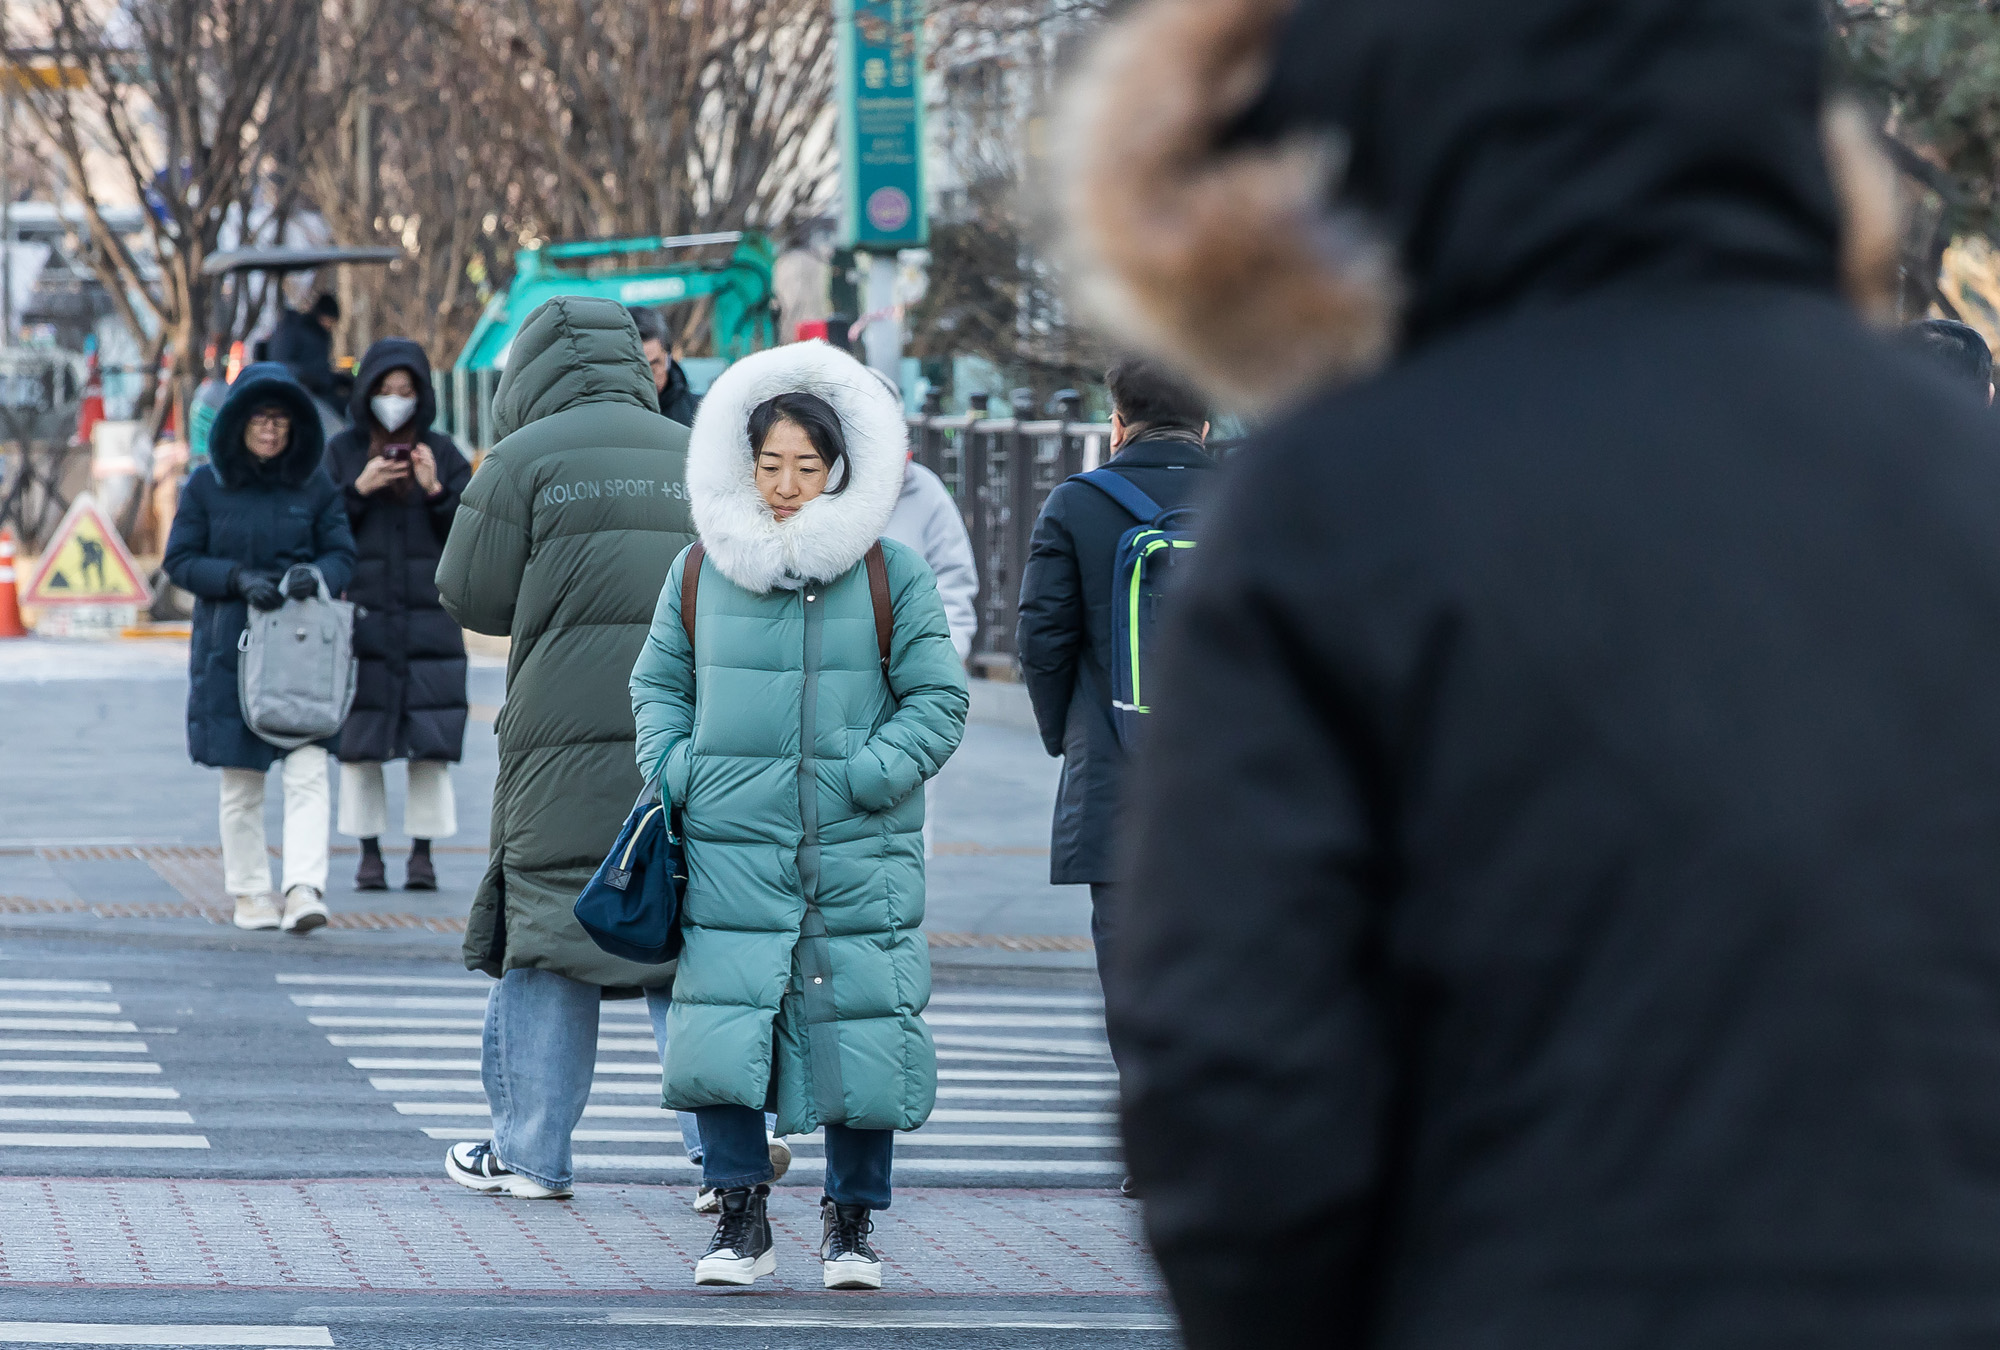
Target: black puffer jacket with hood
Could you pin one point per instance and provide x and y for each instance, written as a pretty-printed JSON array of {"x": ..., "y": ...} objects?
[
  {"x": 1563, "y": 873},
  {"x": 409, "y": 701},
  {"x": 242, "y": 514}
]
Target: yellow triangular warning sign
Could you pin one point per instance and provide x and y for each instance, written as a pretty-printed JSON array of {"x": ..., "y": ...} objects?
[{"x": 86, "y": 563}]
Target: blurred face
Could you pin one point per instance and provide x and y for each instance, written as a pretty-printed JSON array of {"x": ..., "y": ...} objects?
[
  {"x": 660, "y": 359},
  {"x": 790, "y": 472},
  {"x": 269, "y": 432},
  {"x": 397, "y": 384}
]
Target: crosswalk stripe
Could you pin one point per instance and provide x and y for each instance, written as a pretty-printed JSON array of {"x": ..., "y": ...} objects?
[
  {"x": 947, "y": 1055},
  {"x": 73, "y": 1046},
  {"x": 56, "y": 986},
  {"x": 92, "y": 1090},
  {"x": 957, "y": 1116},
  {"x": 1026, "y": 1094},
  {"x": 393, "y": 981},
  {"x": 8, "y": 1140},
  {"x": 472, "y": 1065},
  {"x": 63, "y": 1024},
  {"x": 656, "y": 1162},
  {"x": 957, "y": 1000},
  {"x": 920, "y": 1139},
  {"x": 56, "y": 1005},
  {"x": 140, "y": 1333},
  {"x": 1025, "y": 1075},
  {"x": 1068, "y": 1021},
  {"x": 92, "y": 1116},
  {"x": 404, "y": 1023},
  {"x": 474, "y": 1085},
  {"x": 412, "y": 1001},
  {"x": 74, "y": 1066},
  {"x": 461, "y": 1043},
  {"x": 478, "y": 1109},
  {"x": 1011, "y": 1043}
]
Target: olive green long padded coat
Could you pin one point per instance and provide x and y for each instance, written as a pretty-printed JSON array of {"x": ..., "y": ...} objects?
[
  {"x": 799, "y": 770},
  {"x": 562, "y": 541}
]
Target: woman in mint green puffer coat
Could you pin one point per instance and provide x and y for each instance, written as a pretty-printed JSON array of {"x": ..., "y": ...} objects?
[{"x": 797, "y": 760}]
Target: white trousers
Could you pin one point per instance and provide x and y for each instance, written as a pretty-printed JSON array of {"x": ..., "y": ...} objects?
[
  {"x": 246, "y": 857},
  {"x": 429, "y": 812}
]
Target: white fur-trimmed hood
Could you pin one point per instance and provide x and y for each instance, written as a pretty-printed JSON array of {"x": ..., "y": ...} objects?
[{"x": 831, "y": 532}]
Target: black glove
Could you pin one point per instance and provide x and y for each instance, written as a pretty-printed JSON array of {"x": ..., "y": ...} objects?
[
  {"x": 301, "y": 583},
  {"x": 259, "y": 588}
]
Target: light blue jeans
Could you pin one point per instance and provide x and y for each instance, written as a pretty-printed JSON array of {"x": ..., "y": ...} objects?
[{"x": 537, "y": 1061}]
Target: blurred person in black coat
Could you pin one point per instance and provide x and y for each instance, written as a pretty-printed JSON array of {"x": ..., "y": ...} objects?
[
  {"x": 400, "y": 482},
  {"x": 1561, "y": 891}
]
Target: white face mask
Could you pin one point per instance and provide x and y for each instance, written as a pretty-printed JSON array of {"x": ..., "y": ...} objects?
[{"x": 392, "y": 410}]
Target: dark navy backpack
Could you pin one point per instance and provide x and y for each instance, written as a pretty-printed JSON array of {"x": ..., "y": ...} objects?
[{"x": 1141, "y": 573}]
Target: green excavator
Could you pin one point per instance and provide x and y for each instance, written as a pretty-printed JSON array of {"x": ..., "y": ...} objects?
[{"x": 743, "y": 319}]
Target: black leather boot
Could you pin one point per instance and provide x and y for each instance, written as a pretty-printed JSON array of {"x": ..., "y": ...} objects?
[
  {"x": 741, "y": 1250},
  {"x": 371, "y": 875},
  {"x": 420, "y": 875}
]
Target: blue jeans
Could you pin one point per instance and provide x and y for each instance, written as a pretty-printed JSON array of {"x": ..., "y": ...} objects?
[
  {"x": 537, "y": 1061},
  {"x": 857, "y": 1161},
  {"x": 690, "y": 1126}
]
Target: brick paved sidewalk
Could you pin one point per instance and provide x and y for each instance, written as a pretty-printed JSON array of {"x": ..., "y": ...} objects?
[{"x": 423, "y": 1237}]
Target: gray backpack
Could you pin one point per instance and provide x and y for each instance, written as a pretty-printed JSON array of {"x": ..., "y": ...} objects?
[{"x": 295, "y": 669}]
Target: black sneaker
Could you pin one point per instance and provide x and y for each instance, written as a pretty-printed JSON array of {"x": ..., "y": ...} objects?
[
  {"x": 850, "y": 1263},
  {"x": 742, "y": 1247}
]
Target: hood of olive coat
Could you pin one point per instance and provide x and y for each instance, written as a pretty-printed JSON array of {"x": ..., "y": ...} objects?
[{"x": 573, "y": 350}]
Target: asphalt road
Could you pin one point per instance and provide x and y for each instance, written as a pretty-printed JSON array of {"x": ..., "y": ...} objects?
[{"x": 240, "y": 1144}]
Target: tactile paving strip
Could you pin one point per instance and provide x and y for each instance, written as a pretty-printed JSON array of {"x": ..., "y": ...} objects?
[{"x": 370, "y": 1235}]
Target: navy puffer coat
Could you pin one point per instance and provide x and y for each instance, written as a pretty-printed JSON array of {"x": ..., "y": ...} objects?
[
  {"x": 242, "y": 513},
  {"x": 409, "y": 702}
]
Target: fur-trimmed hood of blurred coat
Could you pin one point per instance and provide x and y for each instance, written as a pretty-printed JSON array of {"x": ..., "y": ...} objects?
[
  {"x": 831, "y": 532},
  {"x": 1276, "y": 195}
]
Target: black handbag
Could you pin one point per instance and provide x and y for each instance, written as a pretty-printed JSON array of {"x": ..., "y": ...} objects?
[{"x": 632, "y": 906}]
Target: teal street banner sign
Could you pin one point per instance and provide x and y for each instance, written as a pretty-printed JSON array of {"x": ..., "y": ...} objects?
[{"x": 882, "y": 123}]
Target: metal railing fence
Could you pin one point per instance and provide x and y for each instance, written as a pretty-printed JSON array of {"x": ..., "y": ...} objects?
[{"x": 1001, "y": 471}]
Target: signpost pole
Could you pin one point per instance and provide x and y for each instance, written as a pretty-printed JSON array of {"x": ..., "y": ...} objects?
[{"x": 882, "y": 155}]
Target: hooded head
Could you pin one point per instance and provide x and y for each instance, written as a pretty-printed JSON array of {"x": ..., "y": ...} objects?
[
  {"x": 573, "y": 350},
  {"x": 834, "y": 530},
  {"x": 381, "y": 358},
  {"x": 1375, "y": 171},
  {"x": 263, "y": 385}
]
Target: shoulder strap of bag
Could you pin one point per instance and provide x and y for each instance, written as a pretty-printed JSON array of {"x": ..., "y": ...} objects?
[
  {"x": 690, "y": 586},
  {"x": 1124, "y": 491},
  {"x": 878, "y": 593}
]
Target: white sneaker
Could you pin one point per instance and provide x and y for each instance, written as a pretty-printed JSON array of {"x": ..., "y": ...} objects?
[
  {"x": 477, "y": 1167},
  {"x": 304, "y": 910},
  {"x": 256, "y": 911},
  {"x": 781, "y": 1159},
  {"x": 707, "y": 1200}
]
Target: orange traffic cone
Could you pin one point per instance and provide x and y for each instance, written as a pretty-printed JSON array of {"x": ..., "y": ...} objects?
[{"x": 10, "y": 599}]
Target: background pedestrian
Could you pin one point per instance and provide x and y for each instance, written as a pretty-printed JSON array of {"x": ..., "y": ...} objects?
[
  {"x": 1956, "y": 350},
  {"x": 400, "y": 482},
  {"x": 562, "y": 543},
  {"x": 1158, "y": 426},
  {"x": 796, "y": 766},
  {"x": 1561, "y": 886},
  {"x": 676, "y": 399},
  {"x": 251, "y": 521}
]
